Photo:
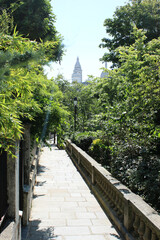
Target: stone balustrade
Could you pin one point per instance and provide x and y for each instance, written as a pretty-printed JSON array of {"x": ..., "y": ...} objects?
[{"x": 133, "y": 217}]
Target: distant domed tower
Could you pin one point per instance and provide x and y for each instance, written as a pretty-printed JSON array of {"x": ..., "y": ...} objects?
[
  {"x": 104, "y": 74},
  {"x": 77, "y": 72}
]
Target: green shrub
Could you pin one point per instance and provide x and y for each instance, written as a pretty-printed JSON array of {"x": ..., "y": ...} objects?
[
  {"x": 83, "y": 140},
  {"x": 100, "y": 151},
  {"x": 139, "y": 169}
]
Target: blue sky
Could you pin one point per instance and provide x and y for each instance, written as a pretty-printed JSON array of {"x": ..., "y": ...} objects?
[{"x": 80, "y": 22}]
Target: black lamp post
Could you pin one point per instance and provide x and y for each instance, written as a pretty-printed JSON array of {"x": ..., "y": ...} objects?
[{"x": 75, "y": 112}]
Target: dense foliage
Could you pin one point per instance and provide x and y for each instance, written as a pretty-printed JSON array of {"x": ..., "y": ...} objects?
[
  {"x": 86, "y": 104},
  {"x": 145, "y": 14},
  {"x": 34, "y": 19},
  {"x": 26, "y": 95},
  {"x": 132, "y": 102},
  {"x": 122, "y": 127}
]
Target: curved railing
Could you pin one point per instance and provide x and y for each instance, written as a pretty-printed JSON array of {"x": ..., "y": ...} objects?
[{"x": 134, "y": 218}]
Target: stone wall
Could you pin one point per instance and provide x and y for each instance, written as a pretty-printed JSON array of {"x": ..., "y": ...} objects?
[{"x": 133, "y": 217}]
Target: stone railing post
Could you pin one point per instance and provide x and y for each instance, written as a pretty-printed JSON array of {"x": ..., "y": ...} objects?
[
  {"x": 26, "y": 201},
  {"x": 79, "y": 158},
  {"x": 13, "y": 187},
  {"x": 71, "y": 150},
  {"x": 128, "y": 218},
  {"x": 93, "y": 175}
]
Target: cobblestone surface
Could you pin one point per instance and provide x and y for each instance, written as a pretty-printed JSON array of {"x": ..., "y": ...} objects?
[{"x": 63, "y": 207}]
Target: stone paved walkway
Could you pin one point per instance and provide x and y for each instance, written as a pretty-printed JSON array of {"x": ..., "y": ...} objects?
[{"x": 63, "y": 206}]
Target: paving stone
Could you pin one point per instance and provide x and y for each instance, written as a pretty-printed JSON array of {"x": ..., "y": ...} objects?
[
  {"x": 39, "y": 215},
  {"x": 101, "y": 229},
  {"x": 64, "y": 204},
  {"x": 57, "y": 199},
  {"x": 101, "y": 222},
  {"x": 76, "y": 199},
  {"x": 88, "y": 204},
  {"x": 49, "y": 223},
  {"x": 100, "y": 214},
  {"x": 71, "y": 230},
  {"x": 79, "y": 222},
  {"x": 76, "y": 194},
  {"x": 86, "y": 237},
  {"x": 89, "y": 215},
  {"x": 61, "y": 215},
  {"x": 94, "y": 208},
  {"x": 73, "y": 209}
]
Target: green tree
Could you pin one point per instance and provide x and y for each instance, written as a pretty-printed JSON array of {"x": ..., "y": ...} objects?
[
  {"x": 87, "y": 106},
  {"x": 26, "y": 95},
  {"x": 145, "y": 14},
  {"x": 6, "y": 22},
  {"x": 35, "y": 20},
  {"x": 130, "y": 99}
]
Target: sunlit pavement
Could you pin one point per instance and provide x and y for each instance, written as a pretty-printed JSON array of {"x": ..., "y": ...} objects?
[{"x": 63, "y": 207}]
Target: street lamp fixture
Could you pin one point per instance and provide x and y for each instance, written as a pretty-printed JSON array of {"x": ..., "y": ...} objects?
[
  {"x": 75, "y": 101},
  {"x": 75, "y": 112}
]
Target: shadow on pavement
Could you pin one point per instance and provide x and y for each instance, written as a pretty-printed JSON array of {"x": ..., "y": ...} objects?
[
  {"x": 41, "y": 169},
  {"x": 35, "y": 232},
  {"x": 38, "y": 183},
  {"x": 38, "y": 195}
]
